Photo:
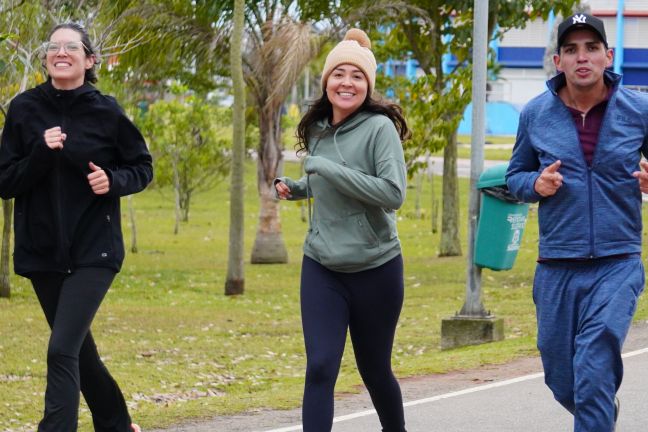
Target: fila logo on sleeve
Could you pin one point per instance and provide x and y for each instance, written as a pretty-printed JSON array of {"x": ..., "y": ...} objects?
[{"x": 579, "y": 19}]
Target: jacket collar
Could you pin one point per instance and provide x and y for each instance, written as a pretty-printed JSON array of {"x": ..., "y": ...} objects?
[
  {"x": 53, "y": 93},
  {"x": 559, "y": 81}
]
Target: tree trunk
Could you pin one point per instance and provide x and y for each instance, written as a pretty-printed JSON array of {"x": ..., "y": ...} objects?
[
  {"x": 176, "y": 189},
  {"x": 269, "y": 247},
  {"x": 5, "y": 284},
  {"x": 235, "y": 280},
  {"x": 434, "y": 202},
  {"x": 417, "y": 197},
  {"x": 450, "y": 244},
  {"x": 131, "y": 217},
  {"x": 184, "y": 205}
]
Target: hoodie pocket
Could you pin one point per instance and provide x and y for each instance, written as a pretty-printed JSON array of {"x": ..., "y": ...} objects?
[
  {"x": 346, "y": 242},
  {"x": 93, "y": 238}
]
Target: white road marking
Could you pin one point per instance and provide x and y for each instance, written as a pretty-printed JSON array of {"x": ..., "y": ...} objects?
[{"x": 448, "y": 395}]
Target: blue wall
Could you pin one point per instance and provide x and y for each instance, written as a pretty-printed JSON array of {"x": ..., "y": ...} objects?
[
  {"x": 635, "y": 66},
  {"x": 501, "y": 119},
  {"x": 520, "y": 57}
]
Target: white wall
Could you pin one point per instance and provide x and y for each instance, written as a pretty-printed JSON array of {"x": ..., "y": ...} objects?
[
  {"x": 518, "y": 86},
  {"x": 635, "y": 5},
  {"x": 636, "y": 31},
  {"x": 603, "y": 4},
  {"x": 535, "y": 34}
]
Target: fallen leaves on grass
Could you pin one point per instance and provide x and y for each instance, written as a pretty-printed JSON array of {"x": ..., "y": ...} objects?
[
  {"x": 184, "y": 396},
  {"x": 14, "y": 378}
]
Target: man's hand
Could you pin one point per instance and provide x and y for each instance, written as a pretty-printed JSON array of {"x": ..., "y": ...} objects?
[
  {"x": 550, "y": 180},
  {"x": 642, "y": 176}
]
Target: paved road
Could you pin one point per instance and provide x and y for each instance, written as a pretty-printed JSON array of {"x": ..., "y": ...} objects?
[
  {"x": 503, "y": 398},
  {"x": 523, "y": 404},
  {"x": 463, "y": 166}
]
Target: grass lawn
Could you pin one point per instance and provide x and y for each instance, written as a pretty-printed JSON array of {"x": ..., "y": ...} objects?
[
  {"x": 496, "y": 147},
  {"x": 180, "y": 349}
]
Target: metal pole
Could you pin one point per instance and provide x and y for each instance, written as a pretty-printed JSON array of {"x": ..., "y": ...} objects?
[
  {"x": 473, "y": 306},
  {"x": 550, "y": 25},
  {"x": 618, "y": 48},
  {"x": 306, "y": 85}
]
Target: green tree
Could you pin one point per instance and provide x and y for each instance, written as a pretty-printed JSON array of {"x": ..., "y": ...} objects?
[
  {"x": 280, "y": 47},
  {"x": 185, "y": 138},
  {"x": 18, "y": 70},
  {"x": 191, "y": 42},
  {"x": 235, "y": 280},
  {"x": 429, "y": 30},
  {"x": 24, "y": 27}
]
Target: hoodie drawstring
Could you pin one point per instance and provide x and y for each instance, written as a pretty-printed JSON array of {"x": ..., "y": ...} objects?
[{"x": 311, "y": 153}]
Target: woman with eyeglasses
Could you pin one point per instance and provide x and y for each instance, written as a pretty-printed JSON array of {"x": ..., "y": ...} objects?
[{"x": 67, "y": 155}]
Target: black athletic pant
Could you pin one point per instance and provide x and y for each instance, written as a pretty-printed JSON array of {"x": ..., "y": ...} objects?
[
  {"x": 368, "y": 303},
  {"x": 70, "y": 302}
]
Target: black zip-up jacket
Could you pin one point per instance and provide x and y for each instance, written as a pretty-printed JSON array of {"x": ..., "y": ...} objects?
[{"x": 60, "y": 224}]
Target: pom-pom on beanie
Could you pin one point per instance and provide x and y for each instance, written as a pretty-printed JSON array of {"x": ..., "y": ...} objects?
[{"x": 355, "y": 50}]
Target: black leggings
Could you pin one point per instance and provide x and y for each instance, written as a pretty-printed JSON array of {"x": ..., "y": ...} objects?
[
  {"x": 70, "y": 302},
  {"x": 368, "y": 303}
]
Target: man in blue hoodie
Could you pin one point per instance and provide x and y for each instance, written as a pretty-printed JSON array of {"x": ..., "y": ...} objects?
[{"x": 577, "y": 153}]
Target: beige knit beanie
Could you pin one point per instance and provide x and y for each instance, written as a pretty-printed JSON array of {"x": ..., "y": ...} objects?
[{"x": 355, "y": 50}]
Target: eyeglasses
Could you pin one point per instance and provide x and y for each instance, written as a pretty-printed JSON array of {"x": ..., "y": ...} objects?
[{"x": 68, "y": 47}]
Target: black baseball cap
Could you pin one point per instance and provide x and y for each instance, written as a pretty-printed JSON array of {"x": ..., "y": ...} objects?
[{"x": 581, "y": 21}]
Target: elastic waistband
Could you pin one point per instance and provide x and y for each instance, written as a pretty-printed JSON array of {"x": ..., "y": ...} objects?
[{"x": 617, "y": 257}]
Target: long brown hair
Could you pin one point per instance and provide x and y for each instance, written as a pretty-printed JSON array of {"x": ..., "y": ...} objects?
[{"x": 323, "y": 109}]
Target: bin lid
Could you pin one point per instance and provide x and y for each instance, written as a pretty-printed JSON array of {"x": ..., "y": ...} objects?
[{"x": 493, "y": 176}]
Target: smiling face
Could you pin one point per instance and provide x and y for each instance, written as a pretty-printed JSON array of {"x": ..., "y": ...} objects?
[
  {"x": 67, "y": 69},
  {"x": 346, "y": 89},
  {"x": 583, "y": 58}
]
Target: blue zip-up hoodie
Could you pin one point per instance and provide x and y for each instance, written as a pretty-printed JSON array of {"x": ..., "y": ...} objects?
[{"x": 597, "y": 210}]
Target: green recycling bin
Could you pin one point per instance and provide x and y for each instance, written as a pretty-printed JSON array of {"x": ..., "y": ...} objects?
[{"x": 501, "y": 221}]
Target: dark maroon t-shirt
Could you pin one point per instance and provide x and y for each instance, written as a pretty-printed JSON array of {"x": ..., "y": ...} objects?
[{"x": 588, "y": 126}]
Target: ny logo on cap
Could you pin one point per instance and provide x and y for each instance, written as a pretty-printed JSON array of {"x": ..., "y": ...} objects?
[{"x": 580, "y": 19}]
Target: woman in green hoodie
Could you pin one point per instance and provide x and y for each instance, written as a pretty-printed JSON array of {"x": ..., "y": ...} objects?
[{"x": 352, "y": 271}]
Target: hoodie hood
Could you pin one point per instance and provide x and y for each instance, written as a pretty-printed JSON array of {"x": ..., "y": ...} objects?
[{"x": 323, "y": 127}]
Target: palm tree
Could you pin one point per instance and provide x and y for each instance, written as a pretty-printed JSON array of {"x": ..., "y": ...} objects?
[
  {"x": 191, "y": 41},
  {"x": 279, "y": 47}
]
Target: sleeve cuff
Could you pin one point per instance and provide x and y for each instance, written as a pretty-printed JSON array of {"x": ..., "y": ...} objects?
[{"x": 532, "y": 195}]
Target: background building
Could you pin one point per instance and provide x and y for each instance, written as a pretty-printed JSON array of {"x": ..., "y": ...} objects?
[
  {"x": 521, "y": 52},
  {"x": 521, "y": 55}
]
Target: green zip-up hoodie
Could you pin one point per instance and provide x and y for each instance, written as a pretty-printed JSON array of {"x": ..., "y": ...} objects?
[{"x": 356, "y": 174}]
